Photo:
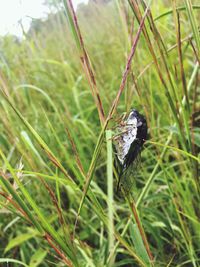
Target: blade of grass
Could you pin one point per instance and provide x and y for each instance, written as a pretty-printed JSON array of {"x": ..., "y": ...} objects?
[
  {"x": 71, "y": 15},
  {"x": 138, "y": 243},
  {"x": 39, "y": 90},
  {"x": 178, "y": 38},
  {"x": 175, "y": 149},
  {"x": 110, "y": 194},
  {"x": 140, "y": 227},
  {"x": 169, "y": 12},
  {"x": 193, "y": 24}
]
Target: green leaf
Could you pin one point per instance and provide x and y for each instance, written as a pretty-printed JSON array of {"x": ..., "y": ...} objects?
[
  {"x": 17, "y": 241},
  {"x": 37, "y": 257},
  {"x": 30, "y": 145},
  {"x": 138, "y": 244}
]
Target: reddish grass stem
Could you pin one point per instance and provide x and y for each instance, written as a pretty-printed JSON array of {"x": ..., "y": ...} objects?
[
  {"x": 128, "y": 66},
  {"x": 87, "y": 66},
  {"x": 141, "y": 230},
  {"x": 62, "y": 256}
]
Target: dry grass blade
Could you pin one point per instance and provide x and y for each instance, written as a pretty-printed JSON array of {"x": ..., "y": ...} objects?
[
  {"x": 10, "y": 200},
  {"x": 73, "y": 145},
  {"x": 182, "y": 72},
  {"x": 62, "y": 256},
  {"x": 140, "y": 227},
  {"x": 84, "y": 57},
  {"x": 128, "y": 66}
]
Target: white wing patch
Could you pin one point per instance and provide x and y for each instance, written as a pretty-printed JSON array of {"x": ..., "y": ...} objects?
[{"x": 126, "y": 135}]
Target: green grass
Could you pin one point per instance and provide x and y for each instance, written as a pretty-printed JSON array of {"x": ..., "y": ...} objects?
[{"x": 63, "y": 88}]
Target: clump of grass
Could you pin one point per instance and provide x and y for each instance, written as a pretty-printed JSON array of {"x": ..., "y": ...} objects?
[{"x": 57, "y": 176}]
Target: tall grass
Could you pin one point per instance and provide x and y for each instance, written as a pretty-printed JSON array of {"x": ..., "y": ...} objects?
[{"x": 63, "y": 87}]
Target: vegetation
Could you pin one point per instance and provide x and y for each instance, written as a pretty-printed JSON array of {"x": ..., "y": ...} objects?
[{"x": 63, "y": 89}]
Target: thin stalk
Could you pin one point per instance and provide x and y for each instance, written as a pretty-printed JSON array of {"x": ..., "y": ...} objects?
[
  {"x": 169, "y": 12},
  {"x": 175, "y": 149},
  {"x": 110, "y": 193},
  {"x": 62, "y": 256},
  {"x": 186, "y": 110},
  {"x": 87, "y": 66},
  {"x": 140, "y": 227},
  {"x": 178, "y": 38},
  {"x": 193, "y": 24}
]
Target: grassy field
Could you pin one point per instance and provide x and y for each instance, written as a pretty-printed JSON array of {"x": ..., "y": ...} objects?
[{"x": 63, "y": 89}]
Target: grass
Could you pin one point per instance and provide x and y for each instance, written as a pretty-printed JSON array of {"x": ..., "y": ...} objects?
[{"x": 63, "y": 87}]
